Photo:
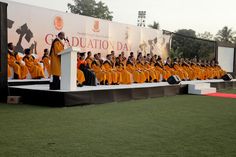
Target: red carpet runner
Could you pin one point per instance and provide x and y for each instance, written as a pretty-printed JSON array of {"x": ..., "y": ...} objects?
[{"x": 222, "y": 95}]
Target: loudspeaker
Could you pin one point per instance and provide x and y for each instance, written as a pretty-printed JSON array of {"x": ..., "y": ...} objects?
[
  {"x": 227, "y": 77},
  {"x": 174, "y": 79}
]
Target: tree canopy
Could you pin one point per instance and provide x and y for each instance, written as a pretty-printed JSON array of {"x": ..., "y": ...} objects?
[
  {"x": 225, "y": 35},
  {"x": 91, "y": 8},
  {"x": 186, "y": 44},
  {"x": 155, "y": 25}
]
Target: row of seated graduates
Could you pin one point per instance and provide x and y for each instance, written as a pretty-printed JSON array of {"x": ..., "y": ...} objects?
[
  {"x": 121, "y": 70},
  {"x": 118, "y": 70},
  {"x": 23, "y": 65}
]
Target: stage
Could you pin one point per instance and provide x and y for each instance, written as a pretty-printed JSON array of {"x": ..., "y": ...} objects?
[{"x": 38, "y": 93}]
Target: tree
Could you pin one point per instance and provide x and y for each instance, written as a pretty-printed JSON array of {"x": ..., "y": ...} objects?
[
  {"x": 91, "y": 8},
  {"x": 186, "y": 44},
  {"x": 155, "y": 25},
  {"x": 225, "y": 35},
  {"x": 205, "y": 35}
]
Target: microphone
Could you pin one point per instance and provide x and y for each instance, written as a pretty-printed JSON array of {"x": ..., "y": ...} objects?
[{"x": 66, "y": 39}]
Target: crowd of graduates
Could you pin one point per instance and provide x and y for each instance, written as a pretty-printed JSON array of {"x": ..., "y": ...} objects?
[
  {"x": 121, "y": 70},
  {"x": 92, "y": 69}
]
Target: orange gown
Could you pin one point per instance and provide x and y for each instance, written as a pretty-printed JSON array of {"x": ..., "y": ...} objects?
[
  {"x": 161, "y": 69},
  {"x": 113, "y": 76},
  {"x": 19, "y": 68},
  {"x": 180, "y": 72},
  {"x": 89, "y": 62},
  {"x": 138, "y": 75},
  {"x": 99, "y": 72},
  {"x": 80, "y": 74},
  {"x": 56, "y": 48},
  {"x": 46, "y": 64},
  {"x": 35, "y": 69},
  {"x": 126, "y": 75}
]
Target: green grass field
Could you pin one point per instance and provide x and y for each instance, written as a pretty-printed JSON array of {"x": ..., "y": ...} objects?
[
  {"x": 179, "y": 126},
  {"x": 232, "y": 91}
]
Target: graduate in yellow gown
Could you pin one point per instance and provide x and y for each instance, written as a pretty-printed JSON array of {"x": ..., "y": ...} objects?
[
  {"x": 89, "y": 59},
  {"x": 140, "y": 66},
  {"x": 108, "y": 67},
  {"x": 179, "y": 70},
  {"x": 137, "y": 75},
  {"x": 35, "y": 69},
  {"x": 169, "y": 67},
  {"x": 154, "y": 74},
  {"x": 46, "y": 62},
  {"x": 159, "y": 66},
  {"x": 14, "y": 61},
  {"x": 219, "y": 69},
  {"x": 56, "y": 47},
  {"x": 125, "y": 75},
  {"x": 100, "y": 73},
  {"x": 187, "y": 67}
]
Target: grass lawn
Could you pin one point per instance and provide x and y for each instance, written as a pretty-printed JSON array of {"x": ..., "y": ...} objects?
[
  {"x": 179, "y": 126},
  {"x": 233, "y": 91}
]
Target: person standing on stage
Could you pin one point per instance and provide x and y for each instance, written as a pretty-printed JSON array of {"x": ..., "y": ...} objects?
[{"x": 56, "y": 48}]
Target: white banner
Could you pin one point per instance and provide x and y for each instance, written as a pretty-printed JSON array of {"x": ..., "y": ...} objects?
[{"x": 27, "y": 24}]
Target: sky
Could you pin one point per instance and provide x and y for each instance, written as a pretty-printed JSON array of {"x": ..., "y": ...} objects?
[{"x": 199, "y": 15}]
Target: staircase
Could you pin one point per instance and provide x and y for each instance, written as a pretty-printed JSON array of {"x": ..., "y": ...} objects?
[{"x": 201, "y": 89}]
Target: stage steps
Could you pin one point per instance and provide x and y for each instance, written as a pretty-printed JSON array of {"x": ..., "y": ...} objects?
[{"x": 201, "y": 89}]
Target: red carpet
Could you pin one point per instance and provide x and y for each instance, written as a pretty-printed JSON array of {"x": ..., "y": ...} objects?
[{"x": 222, "y": 95}]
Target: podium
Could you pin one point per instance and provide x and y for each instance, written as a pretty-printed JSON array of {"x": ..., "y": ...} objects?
[{"x": 69, "y": 68}]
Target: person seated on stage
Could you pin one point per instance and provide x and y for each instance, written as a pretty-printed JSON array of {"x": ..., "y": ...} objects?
[
  {"x": 197, "y": 69},
  {"x": 123, "y": 57},
  {"x": 46, "y": 62},
  {"x": 186, "y": 67},
  {"x": 154, "y": 74},
  {"x": 80, "y": 74},
  {"x": 152, "y": 61},
  {"x": 118, "y": 68},
  {"x": 148, "y": 58},
  {"x": 137, "y": 75},
  {"x": 219, "y": 69},
  {"x": 202, "y": 64},
  {"x": 208, "y": 70},
  {"x": 159, "y": 66},
  {"x": 179, "y": 70},
  {"x": 125, "y": 74},
  {"x": 140, "y": 66},
  {"x": 100, "y": 58},
  {"x": 215, "y": 72},
  {"x": 131, "y": 55},
  {"x": 155, "y": 56},
  {"x": 109, "y": 68},
  {"x": 131, "y": 58},
  {"x": 89, "y": 59},
  {"x": 14, "y": 61},
  {"x": 169, "y": 67},
  {"x": 143, "y": 65},
  {"x": 35, "y": 69},
  {"x": 90, "y": 77},
  {"x": 113, "y": 58},
  {"x": 100, "y": 73}
]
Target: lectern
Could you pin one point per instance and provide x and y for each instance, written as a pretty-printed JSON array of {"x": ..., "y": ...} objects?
[{"x": 69, "y": 68}]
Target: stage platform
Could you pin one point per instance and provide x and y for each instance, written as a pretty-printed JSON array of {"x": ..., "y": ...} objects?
[
  {"x": 13, "y": 82},
  {"x": 39, "y": 94}
]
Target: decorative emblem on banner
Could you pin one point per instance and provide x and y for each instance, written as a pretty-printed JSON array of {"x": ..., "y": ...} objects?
[
  {"x": 96, "y": 26},
  {"x": 58, "y": 23}
]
